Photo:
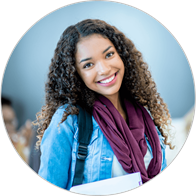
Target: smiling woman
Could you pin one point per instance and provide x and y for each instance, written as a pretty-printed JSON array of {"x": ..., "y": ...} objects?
[
  {"x": 96, "y": 67},
  {"x": 103, "y": 71}
]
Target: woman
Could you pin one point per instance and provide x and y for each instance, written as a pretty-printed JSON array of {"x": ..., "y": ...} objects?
[{"x": 97, "y": 67}]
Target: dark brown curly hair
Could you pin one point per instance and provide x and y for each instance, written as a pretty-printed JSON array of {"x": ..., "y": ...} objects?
[{"x": 64, "y": 86}]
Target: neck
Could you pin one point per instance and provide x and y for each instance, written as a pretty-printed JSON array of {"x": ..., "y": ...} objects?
[{"x": 116, "y": 101}]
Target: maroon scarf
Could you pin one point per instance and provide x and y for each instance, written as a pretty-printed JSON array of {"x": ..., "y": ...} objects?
[{"x": 127, "y": 140}]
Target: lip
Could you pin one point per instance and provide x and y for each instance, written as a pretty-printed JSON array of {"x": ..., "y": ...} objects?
[
  {"x": 110, "y": 83},
  {"x": 107, "y": 77}
]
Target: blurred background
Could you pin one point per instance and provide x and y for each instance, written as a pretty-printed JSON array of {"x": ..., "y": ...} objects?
[{"x": 27, "y": 68}]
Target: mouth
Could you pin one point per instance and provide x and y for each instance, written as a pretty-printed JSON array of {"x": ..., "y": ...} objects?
[{"x": 109, "y": 80}]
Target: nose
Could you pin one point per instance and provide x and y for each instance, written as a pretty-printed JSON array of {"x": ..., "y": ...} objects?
[{"x": 103, "y": 68}]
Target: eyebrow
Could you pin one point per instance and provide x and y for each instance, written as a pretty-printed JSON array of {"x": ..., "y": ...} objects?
[
  {"x": 91, "y": 57},
  {"x": 106, "y": 49}
]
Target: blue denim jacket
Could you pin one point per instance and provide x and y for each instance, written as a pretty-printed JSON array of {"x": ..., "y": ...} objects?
[{"x": 59, "y": 148}]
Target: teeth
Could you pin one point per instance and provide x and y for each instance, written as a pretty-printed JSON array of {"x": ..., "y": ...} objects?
[{"x": 107, "y": 80}]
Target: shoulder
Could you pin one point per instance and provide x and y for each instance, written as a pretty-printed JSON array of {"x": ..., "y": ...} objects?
[
  {"x": 57, "y": 129},
  {"x": 58, "y": 115}
]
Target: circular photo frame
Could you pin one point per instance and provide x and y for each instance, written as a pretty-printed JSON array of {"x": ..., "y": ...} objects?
[{"x": 138, "y": 42}]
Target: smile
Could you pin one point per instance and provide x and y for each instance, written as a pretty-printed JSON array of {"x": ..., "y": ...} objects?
[{"x": 109, "y": 81}]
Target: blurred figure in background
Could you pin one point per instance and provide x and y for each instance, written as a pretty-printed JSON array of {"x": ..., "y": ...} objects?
[
  {"x": 21, "y": 139},
  {"x": 34, "y": 157}
]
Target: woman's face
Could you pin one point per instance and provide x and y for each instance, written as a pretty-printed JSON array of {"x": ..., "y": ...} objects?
[{"x": 99, "y": 65}]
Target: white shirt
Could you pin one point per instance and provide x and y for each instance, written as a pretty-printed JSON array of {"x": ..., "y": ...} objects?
[{"x": 117, "y": 169}]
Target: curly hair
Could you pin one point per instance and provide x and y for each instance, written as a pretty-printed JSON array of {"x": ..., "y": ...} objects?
[{"x": 64, "y": 86}]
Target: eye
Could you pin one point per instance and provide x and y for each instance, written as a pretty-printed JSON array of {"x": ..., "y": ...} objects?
[
  {"x": 87, "y": 65},
  {"x": 109, "y": 54}
]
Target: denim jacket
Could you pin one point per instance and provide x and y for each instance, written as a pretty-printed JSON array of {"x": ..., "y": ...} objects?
[{"x": 59, "y": 149}]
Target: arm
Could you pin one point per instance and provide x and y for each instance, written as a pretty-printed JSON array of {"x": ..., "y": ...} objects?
[{"x": 56, "y": 149}]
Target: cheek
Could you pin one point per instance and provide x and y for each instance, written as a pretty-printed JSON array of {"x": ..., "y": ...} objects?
[
  {"x": 123, "y": 66},
  {"x": 84, "y": 77},
  {"x": 88, "y": 78}
]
